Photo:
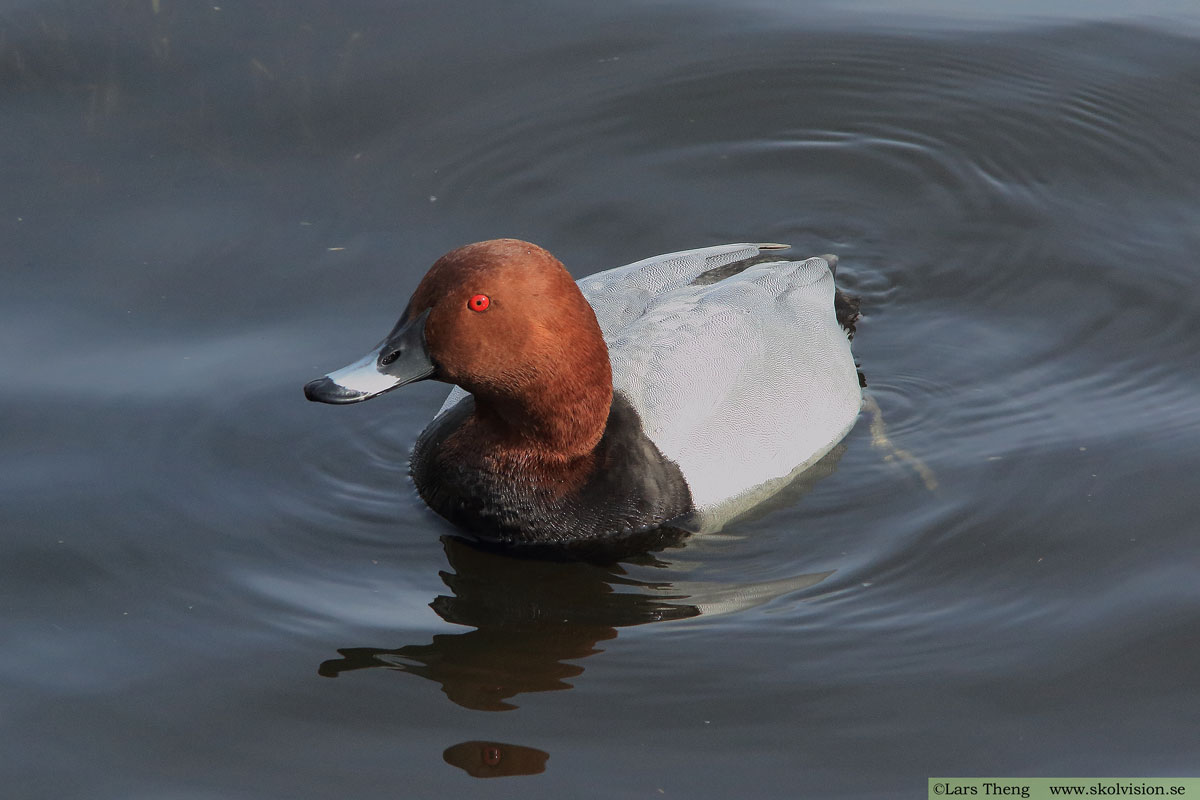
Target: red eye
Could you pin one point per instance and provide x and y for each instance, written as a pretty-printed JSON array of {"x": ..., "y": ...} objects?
[{"x": 479, "y": 302}]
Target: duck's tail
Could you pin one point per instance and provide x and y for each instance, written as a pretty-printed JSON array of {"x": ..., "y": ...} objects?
[{"x": 847, "y": 309}]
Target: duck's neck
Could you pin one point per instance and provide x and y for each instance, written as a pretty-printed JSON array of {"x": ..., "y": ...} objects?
[{"x": 554, "y": 418}]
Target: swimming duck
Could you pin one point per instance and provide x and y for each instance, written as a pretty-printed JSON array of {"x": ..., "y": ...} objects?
[{"x": 662, "y": 393}]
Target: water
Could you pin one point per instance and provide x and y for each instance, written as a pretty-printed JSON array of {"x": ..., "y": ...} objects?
[{"x": 213, "y": 589}]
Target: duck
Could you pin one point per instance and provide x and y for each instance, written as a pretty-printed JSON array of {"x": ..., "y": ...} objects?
[{"x": 668, "y": 394}]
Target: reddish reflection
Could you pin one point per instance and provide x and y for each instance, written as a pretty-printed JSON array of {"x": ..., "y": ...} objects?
[{"x": 496, "y": 759}]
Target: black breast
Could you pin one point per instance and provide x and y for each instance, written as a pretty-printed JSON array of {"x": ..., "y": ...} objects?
[{"x": 627, "y": 490}]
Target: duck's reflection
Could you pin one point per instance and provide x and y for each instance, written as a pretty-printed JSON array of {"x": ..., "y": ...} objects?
[
  {"x": 496, "y": 759},
  {"x": 530, "y": 618}
]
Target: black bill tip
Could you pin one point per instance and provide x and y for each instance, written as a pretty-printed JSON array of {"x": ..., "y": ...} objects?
[{"x": 324, "y": 390}]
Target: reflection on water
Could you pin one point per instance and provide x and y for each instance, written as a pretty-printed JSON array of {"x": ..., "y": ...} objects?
[
  {"x": 496, "y": 759},
  {"x": 530, "y": 617}
]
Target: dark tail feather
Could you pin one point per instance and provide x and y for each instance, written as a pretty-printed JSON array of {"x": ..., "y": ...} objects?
[
  {"x": 848, "y": 315},
  {"x": 847, "y": 311}
]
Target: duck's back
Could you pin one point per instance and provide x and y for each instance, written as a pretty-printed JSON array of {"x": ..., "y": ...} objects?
[
  {"x": 622, "y": 295},
  {"x": 743, "y": 381}
]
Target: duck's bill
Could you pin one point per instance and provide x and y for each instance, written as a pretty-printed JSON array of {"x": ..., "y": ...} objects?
[{"x": 401, "y": 358}]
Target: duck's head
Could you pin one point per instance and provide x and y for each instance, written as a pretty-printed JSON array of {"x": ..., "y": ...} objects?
[{"x": 502, "y": 319}]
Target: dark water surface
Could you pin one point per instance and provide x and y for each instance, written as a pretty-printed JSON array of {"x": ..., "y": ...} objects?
[{"x": 210, "y": 588}]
